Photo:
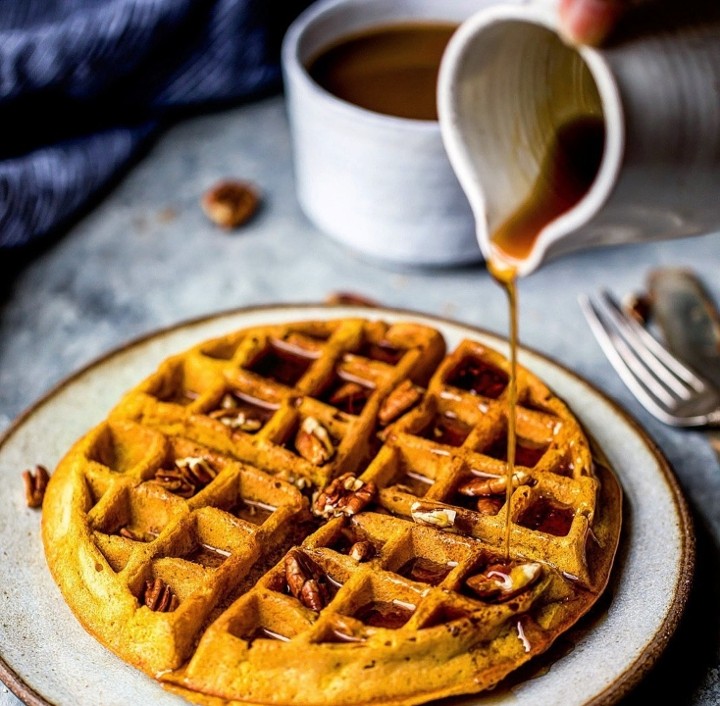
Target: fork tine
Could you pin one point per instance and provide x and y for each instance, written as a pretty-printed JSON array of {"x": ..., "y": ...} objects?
[
  {"x": 607, "y": 339},
  {"x": 641, "y": 366},
  {"x": 637, "y": 335},
  {"x": 652, "y": 372}
]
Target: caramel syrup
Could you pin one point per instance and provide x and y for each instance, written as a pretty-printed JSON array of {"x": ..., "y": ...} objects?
[
  {"x": 547, "y": 516},
  {"x": 566, "y": 174},
  {"x": 207, "y": 556},
  {"x": 420, "y": 568},
  {"x": 385, "y": 614},
  {"x": 506, "y": 277}
]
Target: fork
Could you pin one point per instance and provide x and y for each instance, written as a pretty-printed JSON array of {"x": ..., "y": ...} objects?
[{"x": 666, "y": 387}]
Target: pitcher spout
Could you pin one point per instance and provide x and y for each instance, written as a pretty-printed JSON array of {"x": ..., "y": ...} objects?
[{"x": 534, "y": 131}]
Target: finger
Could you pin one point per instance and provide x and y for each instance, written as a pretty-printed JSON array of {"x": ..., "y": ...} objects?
[{"x": 589, "y": 21}]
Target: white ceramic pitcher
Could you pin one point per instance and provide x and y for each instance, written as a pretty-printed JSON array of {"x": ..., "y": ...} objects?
[{"x": 508, "y": 81}]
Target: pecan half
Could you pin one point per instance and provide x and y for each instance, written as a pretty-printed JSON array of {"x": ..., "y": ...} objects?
[
  {"x": 500, "y": 582},
  {"x": 346, "y": 495},
  {"x": 187, "y": 477},
  {"x": 233, "y": 416},
  {"x": 362, "y": 550},
  {"x": 350, "y": 397},
  {"x": 313, "y": 442},
  {"x": 175, "y": 480},
  {"x": 197, "y": 468},
  {"x": 238, "y": 420},
  {"x": 424, "y": 514},
  {"x": 35, "y": 482},
  {"x": 305, "y": 580},
  {"x": 230, "y": 203},
  {"x": 138, "y": 536},
  {"x": 349, "y": 299},
  {"x": 402, "y": 399},
  {"x": 384, "y": 351},
  {"x": 158, "y": 596},
  {"x": 489, "y": 505},
  {"x": 478, "y": 487},
  {"x": 127, "y": 533}
]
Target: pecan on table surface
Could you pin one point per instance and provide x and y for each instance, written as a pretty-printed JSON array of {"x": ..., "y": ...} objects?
[
  {"x": 230, "y": 203},
  {"x": 35, "y": 482},
  {"x": 350, "y": 299}
]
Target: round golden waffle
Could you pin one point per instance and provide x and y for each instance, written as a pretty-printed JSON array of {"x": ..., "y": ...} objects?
[{"x": 316, "y": 513}]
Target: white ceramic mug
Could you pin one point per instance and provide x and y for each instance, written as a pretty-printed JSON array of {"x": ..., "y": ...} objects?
[
  {"x": 508, "y": 81},
  {"x": 380, "y": 184}
]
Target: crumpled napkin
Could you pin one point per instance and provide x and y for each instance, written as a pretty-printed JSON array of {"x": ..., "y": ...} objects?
[{"x": 86, "y": 84}]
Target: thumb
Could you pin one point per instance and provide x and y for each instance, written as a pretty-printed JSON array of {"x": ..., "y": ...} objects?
[{"x": 589, "y": 21}]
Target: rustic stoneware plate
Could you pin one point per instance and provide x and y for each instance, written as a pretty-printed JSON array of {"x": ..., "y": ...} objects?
[{"x": 47, "y": 658}]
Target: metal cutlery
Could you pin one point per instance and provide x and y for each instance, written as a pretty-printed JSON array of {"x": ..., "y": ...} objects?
[{"x": 662, "y": 383}]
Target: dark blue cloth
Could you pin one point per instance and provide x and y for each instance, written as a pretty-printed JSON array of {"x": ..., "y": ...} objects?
[{"x": 84, "y": 84}]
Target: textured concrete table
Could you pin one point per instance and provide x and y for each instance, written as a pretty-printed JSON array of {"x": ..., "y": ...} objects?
[{"x": 146, "y": 258}]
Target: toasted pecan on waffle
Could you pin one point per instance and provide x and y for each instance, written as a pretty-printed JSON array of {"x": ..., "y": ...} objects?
[{"x": 316, "y": 513}]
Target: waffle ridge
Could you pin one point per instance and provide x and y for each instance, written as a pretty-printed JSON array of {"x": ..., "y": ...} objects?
[{"x": 314, "y": 513}]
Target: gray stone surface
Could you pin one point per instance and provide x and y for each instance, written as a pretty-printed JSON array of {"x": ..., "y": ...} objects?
[{"x": 146, "y": 258}]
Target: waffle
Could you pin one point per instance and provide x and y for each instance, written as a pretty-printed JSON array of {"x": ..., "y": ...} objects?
[{"x": 315, "y": 513}]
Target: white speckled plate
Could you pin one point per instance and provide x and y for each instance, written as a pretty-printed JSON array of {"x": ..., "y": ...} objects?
[{"x": 47, "y": 658}]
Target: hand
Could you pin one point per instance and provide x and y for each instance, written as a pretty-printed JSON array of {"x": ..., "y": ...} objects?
[{"x": 589, "y": 21}]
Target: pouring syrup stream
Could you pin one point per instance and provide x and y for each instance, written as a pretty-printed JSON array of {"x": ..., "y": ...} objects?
[
  {"x": 567, "y": 172},
  {"x": 507, "y": 278}
]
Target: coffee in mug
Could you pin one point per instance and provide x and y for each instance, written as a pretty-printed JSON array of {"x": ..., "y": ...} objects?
[{"x": 390, "y": 69}]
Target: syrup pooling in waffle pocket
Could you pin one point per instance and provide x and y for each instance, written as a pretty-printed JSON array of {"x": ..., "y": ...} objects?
[{"x": 291, "y": 514}]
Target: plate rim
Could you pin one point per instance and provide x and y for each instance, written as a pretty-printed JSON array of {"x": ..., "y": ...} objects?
[{"x": 634, "y": 672}]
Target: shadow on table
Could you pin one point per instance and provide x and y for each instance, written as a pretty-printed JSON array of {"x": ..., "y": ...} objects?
[
  {"x": 14, "y": 261},
  {"x": 679, "y": 675}
]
